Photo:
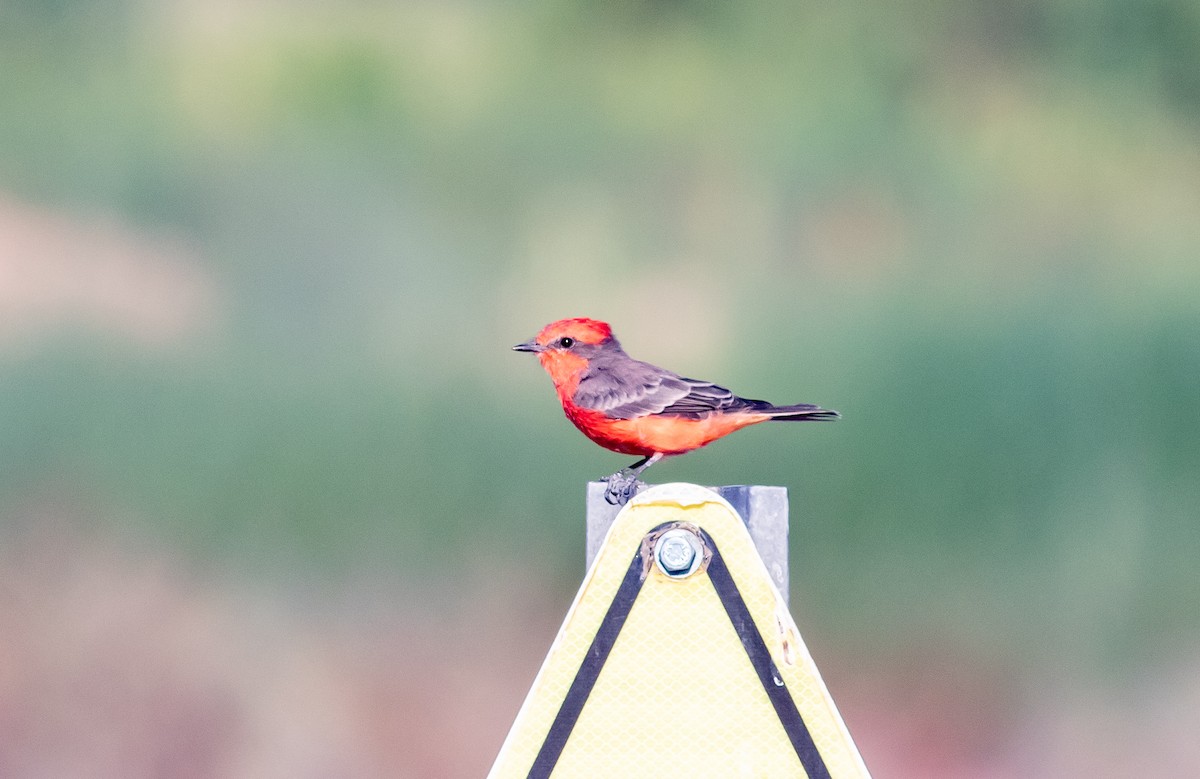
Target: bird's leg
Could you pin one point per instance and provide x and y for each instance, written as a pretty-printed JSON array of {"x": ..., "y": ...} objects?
[{"x": 623, "y": 484}]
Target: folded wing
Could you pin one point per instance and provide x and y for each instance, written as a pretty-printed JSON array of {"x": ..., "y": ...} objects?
[{"x": 631, "y": 389}]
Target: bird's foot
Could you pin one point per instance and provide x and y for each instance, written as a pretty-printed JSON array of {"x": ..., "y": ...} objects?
[{"x": 622, "y": 486}]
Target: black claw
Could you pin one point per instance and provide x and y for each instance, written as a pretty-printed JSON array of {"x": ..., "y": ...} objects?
[{"x": 622, "y": 486}]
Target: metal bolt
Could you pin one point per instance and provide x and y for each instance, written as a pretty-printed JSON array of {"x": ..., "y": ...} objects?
[{"x": 677, "y": 553}]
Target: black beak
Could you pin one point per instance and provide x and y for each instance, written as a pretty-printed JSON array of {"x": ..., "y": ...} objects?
[{"x": 529, "y": 346}]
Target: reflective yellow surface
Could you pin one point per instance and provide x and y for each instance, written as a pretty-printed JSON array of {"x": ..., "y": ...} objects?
[{"x": 678, "y": 695}]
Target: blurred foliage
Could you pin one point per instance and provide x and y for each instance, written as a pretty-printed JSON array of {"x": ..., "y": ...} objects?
[{"x": 973, "y": 228}]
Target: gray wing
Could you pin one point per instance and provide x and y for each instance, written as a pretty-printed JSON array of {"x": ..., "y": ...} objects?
[{"x": 629, "y": 389}]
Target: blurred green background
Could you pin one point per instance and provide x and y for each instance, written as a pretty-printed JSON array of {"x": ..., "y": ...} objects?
[{"x": 276, "y": 499}]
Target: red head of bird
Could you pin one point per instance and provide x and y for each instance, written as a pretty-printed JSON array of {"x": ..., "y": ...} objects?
[{"x": 564, "y": 348}]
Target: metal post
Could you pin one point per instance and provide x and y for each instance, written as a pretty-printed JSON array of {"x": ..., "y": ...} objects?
[{"x": 763, "y": 509}]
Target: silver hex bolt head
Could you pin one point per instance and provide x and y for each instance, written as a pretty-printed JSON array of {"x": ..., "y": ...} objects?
[{"x": 678, "y": 553}]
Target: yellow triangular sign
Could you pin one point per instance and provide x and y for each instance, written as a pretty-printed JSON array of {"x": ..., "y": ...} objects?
[{"x": 678, "y": 663}]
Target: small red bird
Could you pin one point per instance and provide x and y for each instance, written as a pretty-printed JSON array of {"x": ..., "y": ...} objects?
[{"x": 633, "y": 407}]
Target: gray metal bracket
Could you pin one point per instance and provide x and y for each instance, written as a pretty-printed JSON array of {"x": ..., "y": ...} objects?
[{"x": 763, "y": 509}]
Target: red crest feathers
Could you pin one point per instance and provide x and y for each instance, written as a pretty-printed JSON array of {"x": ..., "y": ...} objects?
[{"x": 582, "y": 329}]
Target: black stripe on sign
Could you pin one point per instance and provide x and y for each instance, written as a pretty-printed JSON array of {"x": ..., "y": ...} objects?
[
  {"x": 764, "y": 666},
  {"x": 743, "y": 624},
  {"x": 589, "y": 669}
]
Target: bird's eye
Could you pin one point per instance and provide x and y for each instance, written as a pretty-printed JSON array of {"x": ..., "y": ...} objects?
[{"x": 566, "y": 343}]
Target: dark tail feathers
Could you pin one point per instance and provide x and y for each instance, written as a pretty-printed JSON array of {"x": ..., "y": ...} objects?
[{"x": 801, "y": 412}]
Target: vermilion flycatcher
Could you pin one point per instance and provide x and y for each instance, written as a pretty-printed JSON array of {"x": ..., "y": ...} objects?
[{"x": 633, "y": 407}]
